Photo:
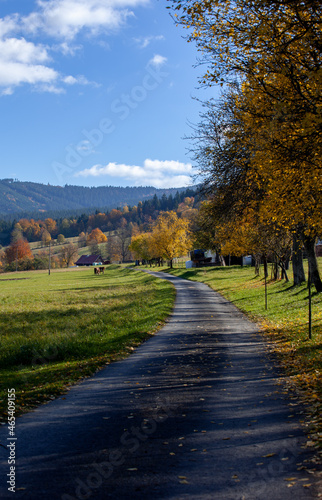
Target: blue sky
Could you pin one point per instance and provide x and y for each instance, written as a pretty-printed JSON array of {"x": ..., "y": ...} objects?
[{"x": 95, "y": 92}]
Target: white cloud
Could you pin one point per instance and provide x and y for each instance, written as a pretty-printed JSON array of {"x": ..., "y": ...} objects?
[
  {"x": 66, "y": 18},
  {"x": 25, "y": 62},
  {"x": 22, "y": 62},
  {"x": 7, "y": 91},
  {"x": 144, "y": 42},
  {"x": 52, "y": 88},
  {"x": 80, "y": 80},
  {"x": 153, "y": 172},
  {"x": 158, "y": 60},
  {"x": 7, "y": 25},
  {"x": 19, "y": 50},
  {"x": 67, "y": 49},
  {"x": 16, "y": 73}
]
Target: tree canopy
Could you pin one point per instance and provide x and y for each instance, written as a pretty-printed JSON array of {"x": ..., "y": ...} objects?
[{"x": 260, "y": 146}]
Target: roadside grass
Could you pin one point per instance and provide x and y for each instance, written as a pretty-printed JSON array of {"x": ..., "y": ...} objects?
[
  {"x": 58, "y": 329},
  {"x": 284, "y": 325}
]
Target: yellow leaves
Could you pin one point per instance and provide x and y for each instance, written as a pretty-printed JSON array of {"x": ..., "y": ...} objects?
[{"x": 170, "y": 237}]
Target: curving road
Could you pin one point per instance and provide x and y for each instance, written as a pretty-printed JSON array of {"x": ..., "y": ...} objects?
[{"x": 194, "y": 413}]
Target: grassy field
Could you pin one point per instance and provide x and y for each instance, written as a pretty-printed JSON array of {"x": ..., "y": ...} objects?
[
  {"x": 284, "y": 324},
  {"x": 57, "y": 329}
]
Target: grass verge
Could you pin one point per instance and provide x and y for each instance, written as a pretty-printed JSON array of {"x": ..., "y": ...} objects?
[
  {"x": 284, "y": 325},
  {"x": 58, "y": 329}
]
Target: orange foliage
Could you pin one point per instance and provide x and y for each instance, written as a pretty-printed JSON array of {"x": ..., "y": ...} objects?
[
  {"x": 18, "y": 250},
  {"x": 96, "y": 236}
]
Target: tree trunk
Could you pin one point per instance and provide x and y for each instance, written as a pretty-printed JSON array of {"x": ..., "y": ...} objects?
[
  {"x": 222, "y": 260},
  {"x": 309, "y": 245},
  {"x": 257, "y": 265},
  {"x": 284, "y": 273},
  {"x": 297, "y": 260},
  {"x": 276, "y": 270}
]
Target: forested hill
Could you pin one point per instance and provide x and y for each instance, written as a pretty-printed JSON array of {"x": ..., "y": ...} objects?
[{"x": 22, "y": 197}]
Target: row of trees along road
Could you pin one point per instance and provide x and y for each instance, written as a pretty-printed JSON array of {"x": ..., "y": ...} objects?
[{"x": 259, "y": 146}]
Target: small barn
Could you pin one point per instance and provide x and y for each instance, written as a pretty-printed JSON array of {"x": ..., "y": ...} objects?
[{"x": 90, "y": 260}]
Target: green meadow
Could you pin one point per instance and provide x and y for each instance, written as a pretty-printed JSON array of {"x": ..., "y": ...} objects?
[{"x": 58, "y": 329}]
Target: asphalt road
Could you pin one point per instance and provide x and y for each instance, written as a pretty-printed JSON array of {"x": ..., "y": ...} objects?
[{"x": 194, "y": 413}]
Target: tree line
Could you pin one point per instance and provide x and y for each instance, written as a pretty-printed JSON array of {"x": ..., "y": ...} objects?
[
  {"x": 32, "y": 229},
  {"x": 258, "y": 147},
  {"x": 121, "y": 225},
  {"x": 25, "y": 197}
]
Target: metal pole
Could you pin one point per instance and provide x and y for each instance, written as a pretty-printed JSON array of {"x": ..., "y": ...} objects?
[
  {"x": 17, "y": 256},
  {"x": 310, "y": 307},
  {"x": 49, "y": 260}
]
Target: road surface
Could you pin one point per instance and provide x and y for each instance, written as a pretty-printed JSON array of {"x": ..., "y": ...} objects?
[{"x": 194, "y": 413}]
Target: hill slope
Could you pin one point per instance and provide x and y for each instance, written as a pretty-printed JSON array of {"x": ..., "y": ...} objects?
[{"x": 17, "y": 197}]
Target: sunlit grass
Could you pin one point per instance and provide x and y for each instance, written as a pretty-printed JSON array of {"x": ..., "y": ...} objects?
[{"x": 57, "y": 329}]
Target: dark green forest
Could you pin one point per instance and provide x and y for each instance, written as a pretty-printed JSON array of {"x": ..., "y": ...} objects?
[{"x": 23, "y": 199}]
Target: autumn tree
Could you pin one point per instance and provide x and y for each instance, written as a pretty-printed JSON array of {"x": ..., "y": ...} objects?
[
  {"x": 45, "y": 237},
  {"x": 271, "y": 52},
  {"x": 51, "y": 226},
  {"x": 142, "y": 248},
  {"x": 96, "y": 236},
  {"x": 170, "y": 236},
  {"x": 18, "y": 250},
  {"x": 68, "y": 255},
  {"x": 113, "y": 248},
  {"x": 60, "y": 239},
  {"x": 17, "y": 232},
  {"x": 123, "y": 236},
  {"x": 2, "y": 260},
  {"x": 82, "y": 239}
]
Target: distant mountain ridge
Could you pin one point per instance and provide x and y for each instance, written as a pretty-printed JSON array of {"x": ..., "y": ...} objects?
[{"x": 18, "y": 197}]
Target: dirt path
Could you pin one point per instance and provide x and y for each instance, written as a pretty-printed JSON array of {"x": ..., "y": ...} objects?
[{"x": 193, "y": 413}]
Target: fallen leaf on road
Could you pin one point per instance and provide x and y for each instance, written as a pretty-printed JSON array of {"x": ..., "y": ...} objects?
[{"x": 269, "y": 455}]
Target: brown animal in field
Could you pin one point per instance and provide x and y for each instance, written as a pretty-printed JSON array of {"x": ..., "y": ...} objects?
[
  {"x": 102, "y": 269},
  {"x": 96, "y": 270}
]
